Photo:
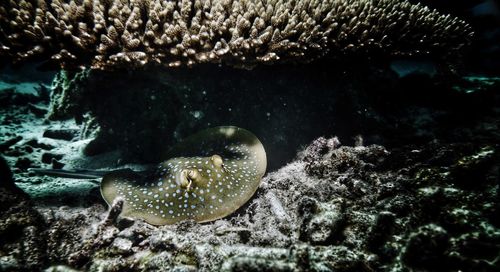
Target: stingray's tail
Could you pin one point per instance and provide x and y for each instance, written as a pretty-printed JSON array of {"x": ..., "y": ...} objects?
[{"x": 73, "y": 173}]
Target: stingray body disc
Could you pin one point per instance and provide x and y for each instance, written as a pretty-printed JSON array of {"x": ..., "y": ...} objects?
[{"x": 209, "y": 176}]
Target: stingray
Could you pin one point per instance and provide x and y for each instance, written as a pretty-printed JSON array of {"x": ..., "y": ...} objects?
[{"x": 208, "y": 176}]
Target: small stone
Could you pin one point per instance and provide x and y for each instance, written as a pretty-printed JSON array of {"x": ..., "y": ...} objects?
[
  {"x": 23, "y": 163},
  {"x": 56, "y": 164},
  {"x": 7, "y": 144},
  {"x": 326, "y": 224},
  {"x": 36, "y": 144},
  {"x": 47, "y": 157},
  {"x": 61, "y": 134},
  {"x": 37, "y": 110},
  {"x": 122, "y": 245}
]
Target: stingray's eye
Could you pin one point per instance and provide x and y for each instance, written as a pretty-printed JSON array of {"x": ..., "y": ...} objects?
[
  {"x": 217, "y": 161},
  {"x": 185, "y": 181},
  {"x": 193, "y": 174},
  {"x": 190, "y": 177}
]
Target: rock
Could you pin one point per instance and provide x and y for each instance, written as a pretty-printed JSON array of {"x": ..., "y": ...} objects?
[
  {"x": 474, "y": 245},
  {"x": 36, "y": 144},
  {"x": 61, "y": 134},
  {"x": 9, "y": 263},
  {"x": 470, "y": 170},
  {"x": 56, "y": 164},
  {"x": 22, "y": 237},
  {"x": 307, "y": 207},
  {"x": 326, "y": 223},
  {"x": 338, "y": 258},
  {"x": 66, "y": 96},
  {"x": 427, "y": 248},
  {"x": 319, "y": 148},
  {"x": 244, "y": 233},
  {"x": 381, "y": 230},
  {"x": 15, "y": 152},
  {"x": 121, "y": 246},
  {"x": 33, "y": 247},
  {"x": 37, "y": 110},
  {"x": 43, "y": 93},
  {"x": 10, "y": 142},
  {"x": 345, "y": 160},
  {"x": 10, "y": 97},
  {"x": 24, "y": 163},
  {"x": 47, "y": 157},
  {"x": 97, "y": 146},
  {"x": 459, "y": 219},
  {"x": 277, "y": 208},
  {"x": 28, "y": 149},
  {"x": 60, "y": 268},
  {"x": 243, "y": 264}
]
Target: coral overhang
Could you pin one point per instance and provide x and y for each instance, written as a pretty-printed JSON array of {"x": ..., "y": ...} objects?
[{"x": 241, "y": 33}]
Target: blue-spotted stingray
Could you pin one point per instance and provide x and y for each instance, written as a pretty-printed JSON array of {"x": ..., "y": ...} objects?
[{"x": 209, "y": 175}]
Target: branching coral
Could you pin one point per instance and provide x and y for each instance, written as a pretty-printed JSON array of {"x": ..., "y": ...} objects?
[{"x": 241, "y": 33}]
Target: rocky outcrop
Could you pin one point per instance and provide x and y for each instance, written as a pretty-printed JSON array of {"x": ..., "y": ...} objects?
[{"x": 429, "y": 207}]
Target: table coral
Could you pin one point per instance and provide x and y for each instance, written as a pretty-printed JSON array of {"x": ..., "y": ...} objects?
[{"x": 241, "y": 33}]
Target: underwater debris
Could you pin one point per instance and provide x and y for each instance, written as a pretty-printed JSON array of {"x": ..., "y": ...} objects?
[
  {"x": 108, "y": 34},
  {"x": 202, "y": 188}
]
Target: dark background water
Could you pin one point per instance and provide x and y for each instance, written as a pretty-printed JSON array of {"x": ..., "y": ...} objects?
[{"x": 484, "y": 16}]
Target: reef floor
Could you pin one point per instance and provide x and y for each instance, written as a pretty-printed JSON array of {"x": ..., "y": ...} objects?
[{"x": 432, "y": 206}]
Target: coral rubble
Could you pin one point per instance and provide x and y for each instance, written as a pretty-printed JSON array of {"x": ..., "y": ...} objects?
[
  {"x": 242, "y": 33},
  {"x": 407, "y": 208}
]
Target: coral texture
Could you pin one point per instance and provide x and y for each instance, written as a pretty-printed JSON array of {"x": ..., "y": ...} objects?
[{"x": 241, "y": 33}]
